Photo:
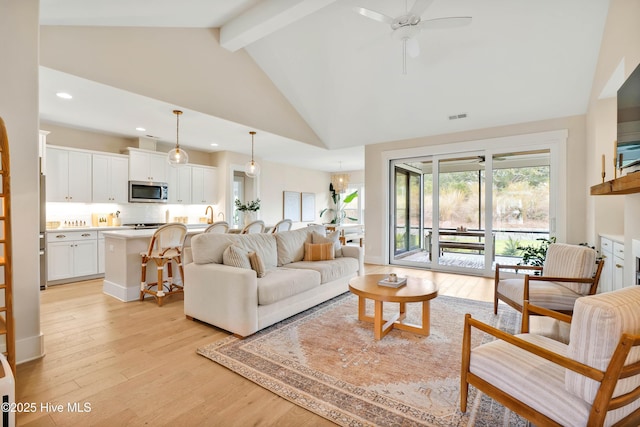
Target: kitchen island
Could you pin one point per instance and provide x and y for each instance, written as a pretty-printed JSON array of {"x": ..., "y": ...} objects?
[{"x": 123, "y": 262}]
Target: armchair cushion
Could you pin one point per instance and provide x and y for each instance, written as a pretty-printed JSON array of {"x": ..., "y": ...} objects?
[
  {"x": 596, "y": 327},
  {"x": 530, "y": 378},
  {"x": 545, "y": 294},
  {"x": 577, "y": 261}
]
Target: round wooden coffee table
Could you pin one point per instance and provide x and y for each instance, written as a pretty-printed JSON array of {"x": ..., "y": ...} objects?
[{"x": 416, "y": 290}]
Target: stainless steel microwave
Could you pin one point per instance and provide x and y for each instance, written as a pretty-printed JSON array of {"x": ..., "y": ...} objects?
[{"x": 148, "y": 192}]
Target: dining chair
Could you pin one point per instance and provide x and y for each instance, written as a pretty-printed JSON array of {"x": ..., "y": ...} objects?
[
  {"x": 165, "y": 248},
  {"x": 282, "y": 225},
  {"x": 218, "y": 227},
  {"x": 256, "y": 226}
]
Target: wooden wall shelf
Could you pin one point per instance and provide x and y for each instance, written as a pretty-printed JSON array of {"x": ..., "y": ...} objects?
[{"x": 628, "y": 184}]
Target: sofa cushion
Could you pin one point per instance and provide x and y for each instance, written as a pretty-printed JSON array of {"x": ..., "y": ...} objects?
[
  {"x": 263, "y": 244},
  {"x": 318, "y": 251},
  {"x": 282, "y": 283},
  {"x": 208, "y": 247},
  {"x": 596, "y": 327},
  {"x": 256, "y": 264},
  {"x": 329, "y": 270},
  {"x": 236, "y": 256},
  {"x": 333, "y": 237},
  {"x": 291, "y": 245}
]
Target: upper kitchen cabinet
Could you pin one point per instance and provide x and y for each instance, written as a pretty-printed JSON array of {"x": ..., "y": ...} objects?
[
  {"x": 180, "y": 184},
  {"x": 110, "y": 174},
  {"x": 204, "y": 185},
  {"x": 147, "y": 166},
  {"x": 68, "y": 175}
]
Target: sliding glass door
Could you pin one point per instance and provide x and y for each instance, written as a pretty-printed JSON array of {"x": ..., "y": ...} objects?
[
  {"x": 467, "y": 212},
  {"x": 408, "y": 207}
]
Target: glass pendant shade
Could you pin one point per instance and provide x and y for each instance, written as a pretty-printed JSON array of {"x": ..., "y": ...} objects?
[
  {"x": 252, "y": 169},
  {"x": 177, "y": 157}
]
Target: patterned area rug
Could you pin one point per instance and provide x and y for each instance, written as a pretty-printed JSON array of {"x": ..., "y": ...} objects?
[{"x": 327, "y": 361}]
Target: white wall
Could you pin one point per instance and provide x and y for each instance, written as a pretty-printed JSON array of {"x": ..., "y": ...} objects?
[
  {"x": 19, "y": 109},
  {"x": 620, "y": 42}
]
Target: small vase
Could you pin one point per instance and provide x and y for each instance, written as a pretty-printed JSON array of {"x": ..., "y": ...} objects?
[{"x": 249, "y": 217}]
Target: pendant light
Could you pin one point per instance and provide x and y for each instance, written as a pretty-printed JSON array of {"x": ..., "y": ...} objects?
[
  {"x": 177, "y": 157},
  {"x": 252, "y": 169},
  {"x": 340, "y": 181}
]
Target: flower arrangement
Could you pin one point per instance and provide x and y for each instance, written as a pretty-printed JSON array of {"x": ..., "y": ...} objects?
[{"x": 253, "y": 205}]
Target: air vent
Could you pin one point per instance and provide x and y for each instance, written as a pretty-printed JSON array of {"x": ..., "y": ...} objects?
[{"x": 458, "y": 116}]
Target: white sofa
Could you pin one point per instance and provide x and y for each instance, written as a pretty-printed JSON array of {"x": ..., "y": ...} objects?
[{"x": 237, "y": 300}]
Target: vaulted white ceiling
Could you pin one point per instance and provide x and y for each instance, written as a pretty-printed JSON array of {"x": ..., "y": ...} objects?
[{"x": 518, "y": 61}]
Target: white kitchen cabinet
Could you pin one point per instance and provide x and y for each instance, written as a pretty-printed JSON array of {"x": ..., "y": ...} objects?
[
  {"x": 101, "y": 253},
  {"x": 612, "y": 277},
  {"x": 606, "y": 278},
  {"x": 68, "y": 175},
  {"x": 71, "y": 254},
  {"x": 110, "y": 178},
  {"x": 180, "y": 184},
  {"x": 204, "y": 185},
  {"x": 618, "y": 266},
  {"x": 147, "y": 166}
]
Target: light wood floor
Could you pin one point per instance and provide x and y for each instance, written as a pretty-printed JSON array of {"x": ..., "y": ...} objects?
[{"x": 135, "y": 363}]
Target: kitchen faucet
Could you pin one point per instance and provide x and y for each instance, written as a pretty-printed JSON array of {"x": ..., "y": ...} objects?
[
  {"x": 221, "y": 213},
  {"x": 210, "y": 220}
]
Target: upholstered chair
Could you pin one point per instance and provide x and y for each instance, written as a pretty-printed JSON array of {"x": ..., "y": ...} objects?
[
  {"x": 218, "y": 227},
  {"x": 165, "y": 248},
  {"x": 592, "y": 381},
  {"x": 569, "y": 272}
]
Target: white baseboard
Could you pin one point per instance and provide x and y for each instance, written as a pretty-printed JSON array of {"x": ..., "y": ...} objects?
[
  {"x": 120, "y": 292},
  {"x": 30, "y": 348}
]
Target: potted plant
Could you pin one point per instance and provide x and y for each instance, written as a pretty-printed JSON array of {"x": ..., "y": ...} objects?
[
  {"x": 339, "y": 214},
  {"x": 248, "y": 210},
  {"x": 535, "y": 254}
]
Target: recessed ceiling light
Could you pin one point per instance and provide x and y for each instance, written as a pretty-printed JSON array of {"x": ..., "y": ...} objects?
[
  {"x": 140, "y": 129},
  {"x": 64, "y": 95},
  {"x": 213, "y": 144}
]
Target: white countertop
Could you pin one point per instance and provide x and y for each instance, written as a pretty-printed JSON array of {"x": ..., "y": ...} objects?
[
  {"x": 614, "y": 237},
  {"x": 130, "y": 233},
  {"x": 113, "y": 228}
]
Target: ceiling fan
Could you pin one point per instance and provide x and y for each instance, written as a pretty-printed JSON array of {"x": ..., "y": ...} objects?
[{"x": 407, "y": 26}]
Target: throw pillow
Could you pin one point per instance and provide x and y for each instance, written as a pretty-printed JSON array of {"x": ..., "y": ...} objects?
[
  {"x": 256, "y": 264},
  {"x": 235, "y": 256},
  {"x": 333, "y": 237},
  {"x": 318, "y": 251}
]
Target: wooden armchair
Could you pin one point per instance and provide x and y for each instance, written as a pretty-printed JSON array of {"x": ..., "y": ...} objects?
[
  {"x": 569, "y": 272},
  {"x": 592, "y": 381}
]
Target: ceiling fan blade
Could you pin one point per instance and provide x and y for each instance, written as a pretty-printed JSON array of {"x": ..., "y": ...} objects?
[
  {"x": 441, "y": 23},
  {"x": 372, "y": 14},
  {"x": 420, "y": 6},
  {"x": 413, "y": 47}
]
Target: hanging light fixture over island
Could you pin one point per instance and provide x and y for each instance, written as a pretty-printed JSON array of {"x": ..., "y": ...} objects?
[
  {"x": 252, "y": 169},
  {"x": 177, "y": 157}
]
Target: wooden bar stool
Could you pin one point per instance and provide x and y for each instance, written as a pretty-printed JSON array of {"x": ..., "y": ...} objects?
[{"x": 165, "y": 247}]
